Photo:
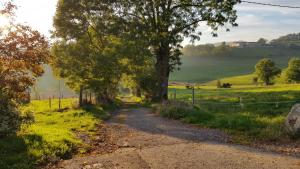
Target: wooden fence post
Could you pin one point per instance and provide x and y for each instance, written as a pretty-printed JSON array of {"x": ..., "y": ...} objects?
[
  {"x": 175, "y": 95},
  {"x": 91, "y": 97},
  {"x": 59, "y": 103},
  {"x": 193, "y": 95},
  {"x": 241, "y": 102},
  {"x": 50, "y": 102}
]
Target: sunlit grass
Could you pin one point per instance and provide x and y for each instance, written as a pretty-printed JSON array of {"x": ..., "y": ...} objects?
[
  {"x": 248, "y": 112},
  {"x": 244, "y": 80},
  {"x": 51, "y": 136}
]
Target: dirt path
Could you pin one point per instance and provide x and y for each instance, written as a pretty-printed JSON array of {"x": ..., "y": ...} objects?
[{"x": 144, "y": 140}]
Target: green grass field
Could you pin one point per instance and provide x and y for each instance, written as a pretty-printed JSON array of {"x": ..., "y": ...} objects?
[
  {"x": 239, "y": 61},
  {"x": 51, "y": 136},
  {"x": 248, "y": 112},
  {"x": 244, "y": 80}
]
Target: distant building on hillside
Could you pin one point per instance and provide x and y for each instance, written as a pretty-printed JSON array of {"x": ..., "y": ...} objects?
[{"x": 243, "y": 44}]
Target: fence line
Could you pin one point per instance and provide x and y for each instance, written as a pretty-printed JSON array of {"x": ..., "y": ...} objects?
[
  {"x": 207, "y": 102},
  {"x": 241, "y": 102}
]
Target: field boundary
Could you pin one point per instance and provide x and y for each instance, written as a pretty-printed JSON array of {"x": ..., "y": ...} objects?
[{"x": 191, "y": 97}]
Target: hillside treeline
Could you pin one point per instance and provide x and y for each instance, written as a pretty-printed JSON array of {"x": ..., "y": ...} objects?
[
  {"x": 290, "y": 40},
  {"x": 286, "y": 43}
]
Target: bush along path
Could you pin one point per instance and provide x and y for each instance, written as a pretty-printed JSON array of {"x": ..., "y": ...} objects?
[{"x": 139, "y": 138}]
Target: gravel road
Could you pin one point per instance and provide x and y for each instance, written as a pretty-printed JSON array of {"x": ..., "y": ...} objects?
[{"x": 145, "y": 140}]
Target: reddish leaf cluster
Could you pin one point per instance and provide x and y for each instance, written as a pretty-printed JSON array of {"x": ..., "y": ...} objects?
[
  {"x": 23, "y": 52},
  {"x": 8, "y": 8}
]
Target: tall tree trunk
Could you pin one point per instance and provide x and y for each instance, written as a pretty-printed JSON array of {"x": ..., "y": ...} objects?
[
  {"x": 86, "y": 98},
  {"x": 138, "y": 92},
  {"x": 104, "y": 98},
  {"x": 80, "y": 96},
  {"x": 163, "y": 71},
  {"x": 267, "y": 82},
  {"x": 91, "y": 102}
]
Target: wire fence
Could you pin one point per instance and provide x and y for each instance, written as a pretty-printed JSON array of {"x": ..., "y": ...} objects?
[{"x": 192, "y": 97}]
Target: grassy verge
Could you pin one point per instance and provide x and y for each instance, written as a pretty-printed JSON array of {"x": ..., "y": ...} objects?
[
  {"x": 243, "y": 124},
  {"x": 50, "y": 137},
  {"x": 260, "y": 116}
]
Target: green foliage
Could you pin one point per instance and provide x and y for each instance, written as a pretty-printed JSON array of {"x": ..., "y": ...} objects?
[
  {"x": 162, "y": 26},
  {"x": 101, "y": 67},
  {"x": 103, "y": 52},
  {"x": 292, "y": 73},
  {"x": 183, "y": 111},
  {"x": 147, "y": 83},
  {"x": 262, "y": 41},
  {"x": 10, "y": 119},
  {"x": 266, "y": 70},
  {"x": 52, "y": 135},
  {"x": 176, "y": 110}
]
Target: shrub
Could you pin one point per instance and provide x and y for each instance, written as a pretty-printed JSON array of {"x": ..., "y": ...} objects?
[
  {"x": 188, "y": 87},
  {"x": 199, "y": 116},
  {"x": 185, "y": 112},
  {"x": 219, "y": 84},
  {"x": 10, "y": 117},
  {"x": 10, "y": 120},
  {"x": 266, "y": 71},
  {"x": 226, "y": 85},
  {"x": 176, "y": 110},
  {"x": 292, "y": 73},
  {"x": 255, "y": 80}
]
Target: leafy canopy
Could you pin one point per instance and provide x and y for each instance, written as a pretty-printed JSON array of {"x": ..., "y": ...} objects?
[
  {"x": 266, "y": 70},
  {"x": 292, "y": 73},
  {"x": 158, "y": 26},
  {"x": 23, "y": 51}
]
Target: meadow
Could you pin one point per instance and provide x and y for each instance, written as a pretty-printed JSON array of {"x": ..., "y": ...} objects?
[
  {"x": 245, "y": 80},
  {"x": 200, "y": 68},
  {"x": 247, "y": 112},
  {"x": 51, "y": 136}
]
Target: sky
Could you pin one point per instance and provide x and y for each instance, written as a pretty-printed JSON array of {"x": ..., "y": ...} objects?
[{"x": 254, "y": 21}]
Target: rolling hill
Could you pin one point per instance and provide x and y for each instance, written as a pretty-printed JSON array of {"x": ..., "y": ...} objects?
[
  {"x": 205, "y": 63},
  {"x": 236, "y": 61},
  {"x": 243, "y": 80}
]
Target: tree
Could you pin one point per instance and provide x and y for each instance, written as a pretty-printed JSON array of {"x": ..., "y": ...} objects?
[
  {"x": 262, "y": 41},
  {"x": 292, "y": 73},
  {"x": 160, "y": 25},
  {"x": 266, "y": 70},
  {"x": 23, "y": 52},
  {"x": 7, "y": 8},
  {"x": 88, "y": 65}
]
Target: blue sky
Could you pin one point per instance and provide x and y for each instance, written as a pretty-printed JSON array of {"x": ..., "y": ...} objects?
[{"x": 254, "y": 21}]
